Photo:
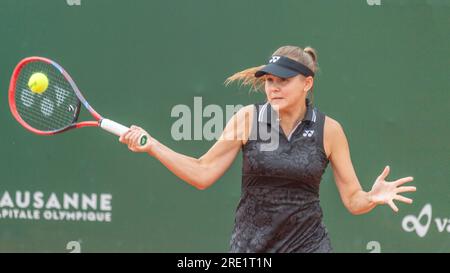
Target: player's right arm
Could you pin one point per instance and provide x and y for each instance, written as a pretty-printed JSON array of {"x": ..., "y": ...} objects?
[{"x": 204, "y": 171}]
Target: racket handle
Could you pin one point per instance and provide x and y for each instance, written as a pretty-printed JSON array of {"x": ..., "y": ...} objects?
[{"x": 118, "y": 129}]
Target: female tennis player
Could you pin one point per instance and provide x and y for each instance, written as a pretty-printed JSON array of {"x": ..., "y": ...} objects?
[{"x": 279, "y": 208}]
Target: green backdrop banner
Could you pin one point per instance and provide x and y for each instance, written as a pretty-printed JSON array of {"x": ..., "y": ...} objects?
[{"x": 384, "y": 75}]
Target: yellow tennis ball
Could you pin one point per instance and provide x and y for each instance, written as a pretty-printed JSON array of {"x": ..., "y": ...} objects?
[{"x": 38, "y": 83}]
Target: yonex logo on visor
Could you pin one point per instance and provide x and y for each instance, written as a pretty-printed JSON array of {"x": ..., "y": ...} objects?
[
  {"x": 284, "y": 67},
  {"x": 274, "y": 59}
]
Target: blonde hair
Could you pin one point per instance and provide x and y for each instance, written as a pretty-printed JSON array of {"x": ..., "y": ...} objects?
[{"x": 306, "y": 56}]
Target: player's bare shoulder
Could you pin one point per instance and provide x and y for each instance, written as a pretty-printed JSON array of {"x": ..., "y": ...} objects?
[
  {"x": 333, "y": 131},
  {"x": 332, "y": 125},
  {"x": 239, "y": 126},
  {"x": 246, "y": 113},
  {"x": 244, "y": 120}
]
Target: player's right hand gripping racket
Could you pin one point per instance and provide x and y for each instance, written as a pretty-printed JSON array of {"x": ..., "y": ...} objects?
[{"x": 55, "y": 109}]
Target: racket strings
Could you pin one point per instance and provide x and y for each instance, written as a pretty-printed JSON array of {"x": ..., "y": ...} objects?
[
  {"x": 46, "y": 102},
  {"x": 55, "y": 108}
]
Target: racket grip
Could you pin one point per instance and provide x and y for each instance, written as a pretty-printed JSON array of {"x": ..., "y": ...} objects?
[{"x": 118, "y": 129}]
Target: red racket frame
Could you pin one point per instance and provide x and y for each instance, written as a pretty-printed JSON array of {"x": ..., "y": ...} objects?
[{"x": 13, "y": 107}]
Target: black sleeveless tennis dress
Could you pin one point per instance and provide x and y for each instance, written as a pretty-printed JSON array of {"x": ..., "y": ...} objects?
[{"x": 279, "y": 208}]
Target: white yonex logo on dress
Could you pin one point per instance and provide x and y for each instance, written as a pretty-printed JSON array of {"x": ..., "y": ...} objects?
[
  {"x": 274, "y": 59},
  {"x": 308, "y": 133}
]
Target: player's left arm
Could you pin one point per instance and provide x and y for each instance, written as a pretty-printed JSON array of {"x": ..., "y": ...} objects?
[{"x": 355, "y": 199}]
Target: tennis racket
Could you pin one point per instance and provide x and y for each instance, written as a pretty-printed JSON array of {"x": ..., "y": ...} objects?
[{"x": 56, "y": 109}]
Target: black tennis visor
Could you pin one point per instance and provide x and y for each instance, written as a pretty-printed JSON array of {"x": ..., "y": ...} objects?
[{"x": 284, "y": 67}]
